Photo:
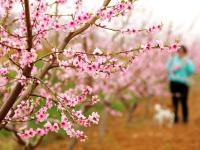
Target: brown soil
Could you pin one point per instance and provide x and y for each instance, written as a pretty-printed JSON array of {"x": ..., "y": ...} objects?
[{"x": 142, "y": 134}]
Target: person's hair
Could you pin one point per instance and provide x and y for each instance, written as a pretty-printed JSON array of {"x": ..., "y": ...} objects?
[{"x": 183, "y": 48}]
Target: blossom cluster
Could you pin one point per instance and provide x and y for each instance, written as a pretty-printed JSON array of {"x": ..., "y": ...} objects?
[
  {"x": 149, "y": 30},
  {"x": 100, "y": 63},
  {"x": 65, "y": 103},
  {"x": 115, "y": 10}
]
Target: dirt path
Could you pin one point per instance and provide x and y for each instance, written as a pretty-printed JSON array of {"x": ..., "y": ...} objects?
[{"x": 143, "y": 135}]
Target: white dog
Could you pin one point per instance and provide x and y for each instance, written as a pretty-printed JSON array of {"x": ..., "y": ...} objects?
[{"x": 163, "y": 116}]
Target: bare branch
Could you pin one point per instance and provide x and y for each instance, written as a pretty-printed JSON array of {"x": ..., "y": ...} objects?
[{"x": 14, "y": 130}]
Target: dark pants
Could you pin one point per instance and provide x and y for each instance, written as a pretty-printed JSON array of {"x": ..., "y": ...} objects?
[{"x": 179, "y": 93}]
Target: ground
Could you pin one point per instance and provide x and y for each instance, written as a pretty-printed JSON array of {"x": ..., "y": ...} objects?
[{"x": 142, "y": 134}]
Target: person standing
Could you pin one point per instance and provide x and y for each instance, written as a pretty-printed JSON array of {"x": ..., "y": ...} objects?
[{"x": 180, "y": 69}]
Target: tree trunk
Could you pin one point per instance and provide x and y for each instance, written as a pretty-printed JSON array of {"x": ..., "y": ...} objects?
[
  {"x": 72, "y": 144},
  {"x": 102, "y": 125},
  {"x": 130, "y": 113}
]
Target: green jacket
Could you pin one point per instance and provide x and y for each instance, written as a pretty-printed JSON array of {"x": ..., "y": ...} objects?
[{"x": 180, "y": 69}]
